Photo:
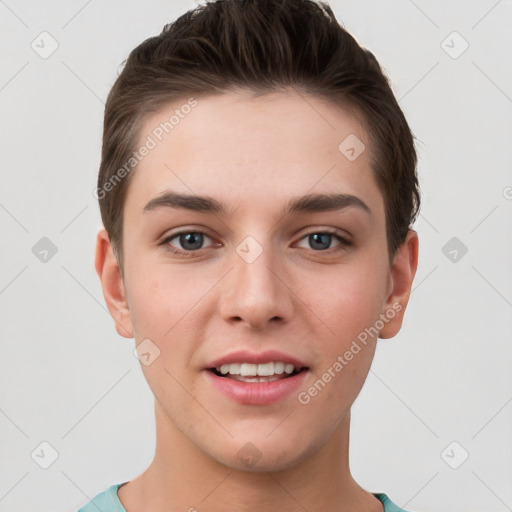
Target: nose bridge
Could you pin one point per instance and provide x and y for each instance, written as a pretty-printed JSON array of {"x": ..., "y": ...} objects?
[{"x": 255, "y": 292}]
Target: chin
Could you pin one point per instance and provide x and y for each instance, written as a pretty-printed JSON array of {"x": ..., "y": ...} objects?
[{"x": 252, "y": 457}]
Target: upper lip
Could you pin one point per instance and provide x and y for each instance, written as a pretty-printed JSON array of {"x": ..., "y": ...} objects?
[{"x": 244, "y": 356}]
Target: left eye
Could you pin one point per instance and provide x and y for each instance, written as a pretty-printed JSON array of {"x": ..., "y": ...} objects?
[{"x": 322, "y": 240}]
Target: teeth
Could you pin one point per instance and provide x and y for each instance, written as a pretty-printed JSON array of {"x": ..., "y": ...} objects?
[
  {"x": 279, "y": 368},
  {"x": 256, "y": 370},
  {"x": 233, "y": 369},
  {"x": 288, "y": 368},
  {"x": 271, "y": 378},
  {"x": 264, "y": 370},
  {"x": 248, "y": 370}
]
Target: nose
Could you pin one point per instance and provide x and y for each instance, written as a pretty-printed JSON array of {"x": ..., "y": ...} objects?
[{"x": 255, "y": 293}]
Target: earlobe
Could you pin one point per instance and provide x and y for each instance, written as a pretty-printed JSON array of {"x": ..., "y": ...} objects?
[
  {"x": 403, "y": 271},
  {"x": 112, "y": 284}
]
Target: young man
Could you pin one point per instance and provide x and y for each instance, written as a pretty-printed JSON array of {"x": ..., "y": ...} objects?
[{"x": 257, "y": 187}]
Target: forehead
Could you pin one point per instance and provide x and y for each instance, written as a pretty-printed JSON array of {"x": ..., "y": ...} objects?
[{"x": 239, "y": 147}]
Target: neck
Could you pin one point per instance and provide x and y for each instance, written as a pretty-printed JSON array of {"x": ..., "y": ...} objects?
[{"x": 183, "y": 478}]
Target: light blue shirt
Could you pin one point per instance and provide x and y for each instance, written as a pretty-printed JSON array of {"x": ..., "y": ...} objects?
[{"x": 108, "y": 501}]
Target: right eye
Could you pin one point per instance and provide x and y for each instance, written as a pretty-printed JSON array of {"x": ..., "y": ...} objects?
[{"x": 186, "y": 242}]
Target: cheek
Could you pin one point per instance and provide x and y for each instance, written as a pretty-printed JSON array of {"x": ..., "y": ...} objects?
[
  {"x": 158, "y": 298},
  {"x": 166, "y": 307},
  {"x": 347, "y": 300}
]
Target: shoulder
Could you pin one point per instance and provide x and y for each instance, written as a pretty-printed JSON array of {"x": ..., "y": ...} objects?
[
  {"x": 106, "y": 501},
  {"x": 389, "y": 506}
]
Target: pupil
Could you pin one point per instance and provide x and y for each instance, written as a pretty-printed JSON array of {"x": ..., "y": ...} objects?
[
  {"x": 194, "y": 239},
  {"x": 320, "y": 240}
]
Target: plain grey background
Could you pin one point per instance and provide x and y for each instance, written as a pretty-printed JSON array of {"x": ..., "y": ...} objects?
[{"x": 432, "y": 426}]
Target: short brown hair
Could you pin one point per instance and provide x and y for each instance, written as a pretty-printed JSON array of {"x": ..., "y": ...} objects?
[{"x": 261, "y": 46}]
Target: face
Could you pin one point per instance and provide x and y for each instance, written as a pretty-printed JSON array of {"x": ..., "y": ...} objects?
[{"x": 280, "y": 269}]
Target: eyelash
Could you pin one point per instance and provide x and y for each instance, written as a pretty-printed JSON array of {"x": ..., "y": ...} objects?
[{"x": 344, "y": 243}]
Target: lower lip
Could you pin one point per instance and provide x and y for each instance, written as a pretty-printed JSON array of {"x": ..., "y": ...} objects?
[{"x": 257, "y": 393}]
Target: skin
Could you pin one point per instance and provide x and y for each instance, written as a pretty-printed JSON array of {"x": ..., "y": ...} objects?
[{"x": 254, "y": 154}]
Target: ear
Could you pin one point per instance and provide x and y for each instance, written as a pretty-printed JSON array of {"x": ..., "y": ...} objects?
[
  {"x": 403, "y": 271},
  {"x": 112, "y": 284}
]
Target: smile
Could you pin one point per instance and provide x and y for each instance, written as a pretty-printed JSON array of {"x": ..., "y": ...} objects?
[{"x": 264, "y": 372}]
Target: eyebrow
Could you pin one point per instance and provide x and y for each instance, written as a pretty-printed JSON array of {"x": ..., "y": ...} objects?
[{"x": 309, "y": 203}]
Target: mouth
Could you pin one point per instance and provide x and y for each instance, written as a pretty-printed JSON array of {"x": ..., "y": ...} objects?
[
  {"x": 262, "y": 379},
  {"x": 263, "y": 372}
]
